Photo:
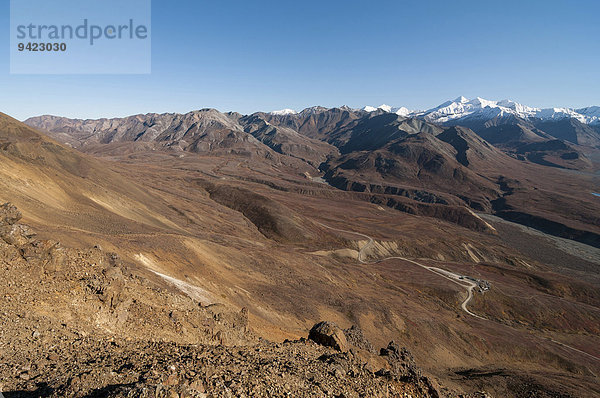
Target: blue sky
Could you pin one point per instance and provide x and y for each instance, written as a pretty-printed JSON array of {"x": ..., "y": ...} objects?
[{"x": 264, "y": 55}]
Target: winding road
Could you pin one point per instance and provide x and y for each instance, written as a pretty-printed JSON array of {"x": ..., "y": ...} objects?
[{"x": 451, "y": 276}]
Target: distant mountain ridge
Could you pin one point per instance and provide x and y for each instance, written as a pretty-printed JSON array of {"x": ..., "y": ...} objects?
[
  {"x": 480, "y": 108},
  {"x": 527, "y": 133},
  {"x": 559, "y": 137},
  {"x": 205, "y": 130}
]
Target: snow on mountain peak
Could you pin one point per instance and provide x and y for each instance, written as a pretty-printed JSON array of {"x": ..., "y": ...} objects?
[
  {"x": 284, "y": 112},
  {"x": 484, "y": 103},
  {"x": 477, "y": 108},
  {"x": 486, "y": 109},
  {"x": 402, "y": 111},
  {"x": 481, "y": 108}
]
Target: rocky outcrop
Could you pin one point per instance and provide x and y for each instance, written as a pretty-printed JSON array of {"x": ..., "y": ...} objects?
[
  {"x": 329, "y": 334},
  {"x": 9, "y": 214},
  {"x": 403, "y": 367},
  {"x": 355, "y": 337},
  {"x": 10, "y": 232}
]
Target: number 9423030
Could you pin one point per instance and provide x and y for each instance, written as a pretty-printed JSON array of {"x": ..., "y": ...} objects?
[{"x": 40, "y": 47}]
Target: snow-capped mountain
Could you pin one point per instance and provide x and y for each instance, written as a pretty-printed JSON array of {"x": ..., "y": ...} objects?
[{"x": 480, "y": 108}]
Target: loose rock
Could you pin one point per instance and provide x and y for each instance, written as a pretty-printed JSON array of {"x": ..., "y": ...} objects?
[{"x": 329, "y": 334}]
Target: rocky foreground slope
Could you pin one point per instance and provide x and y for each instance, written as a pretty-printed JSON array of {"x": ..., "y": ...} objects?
[{"x": 84, "y": 324}]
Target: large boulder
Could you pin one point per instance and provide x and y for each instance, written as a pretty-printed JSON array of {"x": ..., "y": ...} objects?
[
  {"x": 9, "y": 214},
  {"x": 330, "y": 335}
]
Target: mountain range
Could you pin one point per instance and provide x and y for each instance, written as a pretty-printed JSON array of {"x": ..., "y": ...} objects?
[
  {"x": 560, "y": 137},
  {"x": 479, "y": 108},
  {"x": 428, "y": 168}
]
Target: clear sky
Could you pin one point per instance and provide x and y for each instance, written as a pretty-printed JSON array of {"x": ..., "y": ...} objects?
[{"x": 265, "y": 55}]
